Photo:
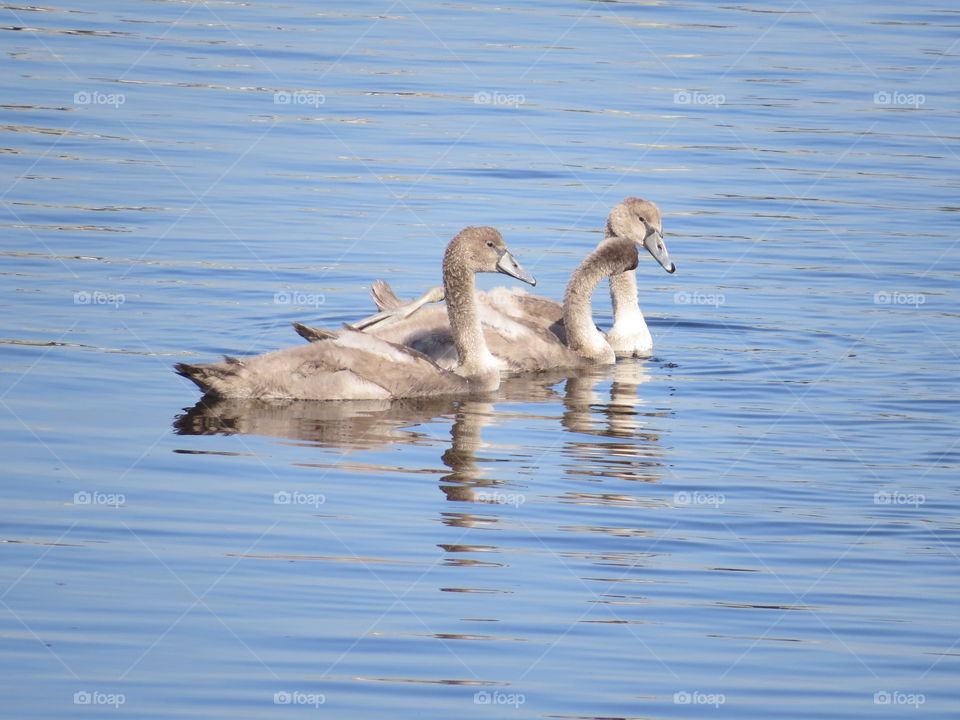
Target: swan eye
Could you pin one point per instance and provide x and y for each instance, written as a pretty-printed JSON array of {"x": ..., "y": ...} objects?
[
  {"x": 490, "y": 243},
  {"x": 642, "y": 219}
]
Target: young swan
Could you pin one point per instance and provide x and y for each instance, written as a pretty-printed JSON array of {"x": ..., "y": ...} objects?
[
  {"x": 639, "y": 220},
  {"x": 636, "y": 221},
  {"x": 351, "y": 365}
]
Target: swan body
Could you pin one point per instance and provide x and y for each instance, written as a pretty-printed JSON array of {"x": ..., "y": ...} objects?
[
  {"x": 353, "y": 365},
  {"x": 523, "y": 332}
]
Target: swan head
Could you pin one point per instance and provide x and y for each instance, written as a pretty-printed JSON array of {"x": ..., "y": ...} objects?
[
  {"x": 639, "y": 220},
  {"x": 482, "y": 249}
]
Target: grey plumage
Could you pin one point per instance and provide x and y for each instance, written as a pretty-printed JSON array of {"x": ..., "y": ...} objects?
[{"x": 352, "y": 365}]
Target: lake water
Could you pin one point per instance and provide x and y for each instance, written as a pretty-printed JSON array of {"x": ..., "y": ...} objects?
[{"x": 759, "y": 522}]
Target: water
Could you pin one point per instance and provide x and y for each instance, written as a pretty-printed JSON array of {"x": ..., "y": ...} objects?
[{"x": 762, "y": 515}]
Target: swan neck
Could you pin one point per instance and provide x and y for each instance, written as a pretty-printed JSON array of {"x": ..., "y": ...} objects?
[
  {"x": 459, "y": 285},
  {"x": 623, "y": 294},
  {"x": 582, "y": 335}
]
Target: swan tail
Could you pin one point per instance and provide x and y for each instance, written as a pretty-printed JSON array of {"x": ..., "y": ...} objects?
[
  {"x": 384, "y": 296},
  {"x": 312, "y": 334},
  {"x": 212, "y": 378}
]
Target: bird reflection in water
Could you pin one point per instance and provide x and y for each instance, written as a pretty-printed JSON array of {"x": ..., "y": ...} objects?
[
  {"x": 606, "y": 434},
  {"x": 624, "y": 442}
]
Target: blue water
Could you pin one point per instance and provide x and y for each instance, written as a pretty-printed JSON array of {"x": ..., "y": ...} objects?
[{"x": 760, "y": 521}]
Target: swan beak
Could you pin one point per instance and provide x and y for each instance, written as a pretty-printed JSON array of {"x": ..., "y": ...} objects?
[
  {"x": 508, "y": 265},
  {"x": 654, "y": 244}
]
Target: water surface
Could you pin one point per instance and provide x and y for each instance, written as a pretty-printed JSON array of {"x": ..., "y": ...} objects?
[{"x": 762, "y": 515}]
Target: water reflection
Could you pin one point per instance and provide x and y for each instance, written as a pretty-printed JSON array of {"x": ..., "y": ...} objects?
[
  {"x": 355, "y": 425},
  {"x": 608, "y": 431},
  {"x": 635, "y": 452}
]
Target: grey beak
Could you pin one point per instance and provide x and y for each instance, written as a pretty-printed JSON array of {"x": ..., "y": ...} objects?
[
  {"x": 508, "y": 265},
  {"x": 654, "y": 244}
]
